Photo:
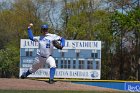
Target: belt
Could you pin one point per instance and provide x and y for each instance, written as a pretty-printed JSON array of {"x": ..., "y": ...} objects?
[{"x": 45, "y": 57}]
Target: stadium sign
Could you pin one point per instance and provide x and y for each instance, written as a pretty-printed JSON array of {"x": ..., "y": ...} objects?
[
  {"x": 66, "y": 73},
  {"x": 78, "y": 59},
  {"x": 69, "y": 44}
]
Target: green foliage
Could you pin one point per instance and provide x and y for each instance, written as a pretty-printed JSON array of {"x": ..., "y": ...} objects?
[
  {"x": 134, "y": 19},
  {"x": 84, "y": 23},
  {"x": 9, "y": 62},
  {"x": 14, "y": 22},
  {"x": 102, "y": 26},
  {"x": 13, "y": 27}
]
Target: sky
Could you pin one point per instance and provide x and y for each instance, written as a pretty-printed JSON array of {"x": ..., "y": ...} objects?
[{"x": 4, "y": 0}]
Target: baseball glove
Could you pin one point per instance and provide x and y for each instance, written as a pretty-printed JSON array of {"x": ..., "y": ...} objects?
[{"x": 57, "y": 44}]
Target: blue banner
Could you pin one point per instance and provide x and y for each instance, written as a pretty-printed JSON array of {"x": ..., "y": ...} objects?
[{"x": 132, "y": 87}]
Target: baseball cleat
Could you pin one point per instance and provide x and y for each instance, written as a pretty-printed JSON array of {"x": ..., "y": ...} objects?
[
  {"x": 51, "y": 81},
  {"x": 23, "y": 76}
]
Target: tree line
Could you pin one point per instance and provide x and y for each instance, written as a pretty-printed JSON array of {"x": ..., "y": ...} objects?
[{"x": 114, "y": 22}]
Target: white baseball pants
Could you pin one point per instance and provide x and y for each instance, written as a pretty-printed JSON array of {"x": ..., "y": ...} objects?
[{"x": 40, "y": 62}]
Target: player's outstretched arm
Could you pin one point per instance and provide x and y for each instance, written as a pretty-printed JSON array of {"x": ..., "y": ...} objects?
[{"x": 30, "y": 34}]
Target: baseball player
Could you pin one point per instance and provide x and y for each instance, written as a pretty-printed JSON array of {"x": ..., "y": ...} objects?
[{"x": 44, "y": 55}]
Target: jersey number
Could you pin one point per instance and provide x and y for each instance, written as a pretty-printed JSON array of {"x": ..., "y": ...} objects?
[{"x": 48, "y": 44}]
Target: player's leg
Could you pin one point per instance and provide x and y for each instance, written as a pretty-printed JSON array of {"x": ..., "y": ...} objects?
[
  {"x": 52, "y": 64},
  {"x": 38, "y": 62}
]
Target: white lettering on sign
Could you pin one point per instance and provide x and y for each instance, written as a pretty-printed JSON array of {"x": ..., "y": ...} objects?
[
  {"x": 69, "y": 44},
  {"x": 66, "y": 73},
  {"x": 26, "y": 65},
  {"x": 27, "y": 60},
  {"x": 134, "y": 88}
]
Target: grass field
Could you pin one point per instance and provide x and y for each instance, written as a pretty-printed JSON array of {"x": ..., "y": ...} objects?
[{"x": 46, "y": 91}]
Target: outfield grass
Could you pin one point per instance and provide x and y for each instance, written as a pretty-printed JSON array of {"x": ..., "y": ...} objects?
[{"x": 46, "y": 91}]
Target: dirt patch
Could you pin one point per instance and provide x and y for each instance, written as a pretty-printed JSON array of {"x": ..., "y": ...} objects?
[{"x": 27, "y": 84}]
